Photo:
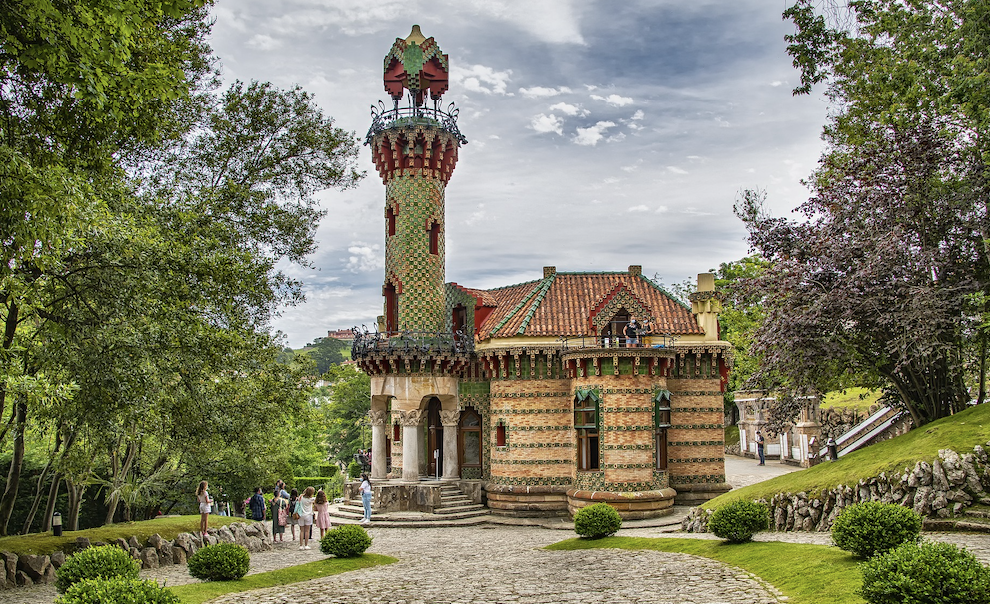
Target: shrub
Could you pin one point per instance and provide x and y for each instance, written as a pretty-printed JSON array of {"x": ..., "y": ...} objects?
[
  {"x": 105, "y": 561},
  {"x": 354, "y": 469},
  {"x": 596, "y": 521},
  {"x": 738, "y": 521},
  {"x": 220, "y": 562},
  {"x": 345, "y": 541},
  {"x": 929, "y": 573},
  {"x": 117, "y": 590},
  {"x": 317, "y": 482},
  {"x": 871, "y": 527},
  {"x": 329, "y": 470}
]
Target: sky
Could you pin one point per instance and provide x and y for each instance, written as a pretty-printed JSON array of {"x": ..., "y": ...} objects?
[{"x": 601, "y": 134}]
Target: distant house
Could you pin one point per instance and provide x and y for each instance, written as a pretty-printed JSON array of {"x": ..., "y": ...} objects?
[{"x": 344, "y": 335}]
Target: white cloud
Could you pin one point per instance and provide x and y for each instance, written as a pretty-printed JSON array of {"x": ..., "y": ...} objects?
[
  {"x": 477, "y": 216},
  {"x": 638, "y": 115},
  {"x": 364, "y": 257},
  {"x": 676, "y": 170},
  {"x": 543, "y": 123},
  {"x": 551, "y": 21},
  {"x": 639, "y": 208},
  {"x": 662, "y": 210},
  {"x": 632, "y": 167},
  {"x": 264, "y": 42},
  {"x": 614, "y": 99},
  {"x": 479, "y": 78},
  {"x": 568, "y": 109},
  {"x": 776, "y": 83},
  {"x": 590, "y": 136},
  {"x": 542, "y": 92}
]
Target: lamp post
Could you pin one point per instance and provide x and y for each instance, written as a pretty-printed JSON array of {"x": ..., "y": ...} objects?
[{"x": 57, "y": 524}]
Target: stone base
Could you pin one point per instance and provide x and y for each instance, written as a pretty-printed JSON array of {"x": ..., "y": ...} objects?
[
  {"x": 631, "y": 506},
  {"x": 695, "y": 494},
  {"x": 527, "y": 501},
  {"x": 398, "y": 496}
]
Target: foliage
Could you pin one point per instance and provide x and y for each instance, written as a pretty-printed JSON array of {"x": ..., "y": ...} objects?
[
  {"x": 117, "y": 590},
  {"x": 926, "y": 573},
  {"x": 871, "y": 527},
  {"x": 345, "y": 541},
  {"x": 354, "y": 469},
  {"x": 806, "y": 574},
  {"x": 961, "y": 433},
  {"x": 220, "y": 562},
  {"x": 327, "y": 483},
  {"x": 596, "y": 521},
  {"x": 104, "y": 561},
  {"x": 886, "y": 273},
  {"x": 343, "y": 406},
  {"x": 326, "y": 352},
  {"x": 329, "y": 469},
  {"x": 738, "y": 521}
]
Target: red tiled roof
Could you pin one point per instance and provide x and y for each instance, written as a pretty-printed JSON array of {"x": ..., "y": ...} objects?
[{"x": 563, "y": 303}]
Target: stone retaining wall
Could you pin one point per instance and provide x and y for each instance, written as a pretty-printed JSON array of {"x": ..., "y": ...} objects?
[
  {"x": 19, "y": 571},
  {"x": 940, "y": 490}
]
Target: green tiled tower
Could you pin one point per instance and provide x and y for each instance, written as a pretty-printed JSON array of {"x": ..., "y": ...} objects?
[{"x": 415, "y": 151}]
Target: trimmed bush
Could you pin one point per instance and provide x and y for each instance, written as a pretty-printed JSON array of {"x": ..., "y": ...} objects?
[
  {"x": 354, "y": 469},
  {"x": 871, "y": 528},
  {"x": 738, "y": 521},
  {"x": 104, "y": 561},
  {"x": 317, "y": 482},
  {"x": 220, "y": 562},
  {"x": 929, "y": 573},
  {"x": 596, "y": 521},
  {"x": 117, "y": 590},
  {"x": 329, "y": 470},
  {"x": 345, "y": 541}
]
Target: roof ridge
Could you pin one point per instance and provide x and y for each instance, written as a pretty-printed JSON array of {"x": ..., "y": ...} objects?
[
  {"x": 517, "y": 308},
  {"x": 513, "y": 285},
  {"x": 547, "y": 282},
  {"x": 665, "y": 292}
]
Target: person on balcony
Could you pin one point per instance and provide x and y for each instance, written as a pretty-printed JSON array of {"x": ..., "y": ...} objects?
[{"x": 631, "y": 332}]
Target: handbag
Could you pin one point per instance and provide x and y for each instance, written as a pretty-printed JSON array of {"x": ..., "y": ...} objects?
[
  {"x": 297, "y": 511},
  {"x": 283, "y": 515}
]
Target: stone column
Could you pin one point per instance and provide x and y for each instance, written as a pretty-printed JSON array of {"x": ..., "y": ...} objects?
[
  {"x": 378, "y": 452},
  {"x": 450, "y": 421},
  {"x": 411, "y": 444}
]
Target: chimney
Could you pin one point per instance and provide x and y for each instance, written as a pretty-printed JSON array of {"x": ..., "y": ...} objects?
[
  {"x": 635, "y": 270},
  {"x": 549, "y": 271}
]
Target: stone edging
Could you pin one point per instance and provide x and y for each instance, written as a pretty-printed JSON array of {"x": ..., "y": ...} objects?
[
  {"x": 936, "y": 491},
  {"x": 21, "y": 571}
]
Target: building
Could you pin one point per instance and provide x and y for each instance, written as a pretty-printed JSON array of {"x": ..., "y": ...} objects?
[{"x": 531, "y": 397}]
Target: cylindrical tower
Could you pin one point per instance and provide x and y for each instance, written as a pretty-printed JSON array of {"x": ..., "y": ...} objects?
[{"x": 415, "y": 151}]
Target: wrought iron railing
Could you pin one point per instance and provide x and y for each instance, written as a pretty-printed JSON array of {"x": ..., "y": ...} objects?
[
  {"x": 383, "y": 118},
  {"x": 644, "y": 340},
  {"x": 409, "y": 342}
]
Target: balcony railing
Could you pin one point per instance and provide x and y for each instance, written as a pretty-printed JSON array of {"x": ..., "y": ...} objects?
[
  {"x": 645, "y": 340},
  {"x": 367, "y": 343},
  {"x": 383, "y": 118}
]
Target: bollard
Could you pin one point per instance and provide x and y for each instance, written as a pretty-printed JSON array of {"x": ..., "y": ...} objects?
[{"x": 57, "y": 524}]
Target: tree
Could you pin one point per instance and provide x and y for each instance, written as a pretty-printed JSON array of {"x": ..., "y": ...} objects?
[
  {"x": 345, "y": 404},
  {"x": 887, "y": 273},
  {"x": 326, "y": 352}
]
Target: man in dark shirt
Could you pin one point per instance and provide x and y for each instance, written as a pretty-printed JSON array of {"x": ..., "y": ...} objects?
[
  {"x": 257, "y": 505},
  {"x": 632, "y": 334}
]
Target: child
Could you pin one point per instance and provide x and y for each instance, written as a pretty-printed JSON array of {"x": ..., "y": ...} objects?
[
  {"x": 203, "y": 497},
  {"x": 322, "y": 508}
]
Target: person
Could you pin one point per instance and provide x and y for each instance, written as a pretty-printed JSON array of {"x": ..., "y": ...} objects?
[
  {"x": 257, "y": 505},
  {"x": 366, "y": 491},
  {"x": 280, "y": 515},
  {"x": 606, "y": 336},
  {"x": 759, "y": 447},
  {"x": 293, "y": 518},
  {"x": 322, "y": 510},
  {"x": 631, "y": 332},
  {"x": 306, "y": 517},
  {"x": 205, "y": 504}
]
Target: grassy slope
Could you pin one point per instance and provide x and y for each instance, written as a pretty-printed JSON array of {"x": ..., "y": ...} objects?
[
  {"x": 851, "y": 398},
  {"x": 195, "y": 593},
  {"x": 960, "y": 432},
  {"x": 807, "y": 574},
  {"x": 167, "y": 527}
]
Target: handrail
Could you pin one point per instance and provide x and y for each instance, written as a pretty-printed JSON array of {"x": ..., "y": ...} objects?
[
  {"x": 383, "y": 118},
  {"x": 656, "y": 340},
  {"x": 409, "y": 342}
]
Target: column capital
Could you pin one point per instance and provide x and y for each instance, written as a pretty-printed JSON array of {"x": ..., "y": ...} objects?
[
  {"x": 450, "y": 419},
  {"x": 378, "y": 417},
  {"x": 410, "y": 418}
]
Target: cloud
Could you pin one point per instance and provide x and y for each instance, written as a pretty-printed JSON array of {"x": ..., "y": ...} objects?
[
  {"x": 662, "y": 209},
  {"x": 590, "y": 136},
  {"x": 543, "y": 123},
  {"x": 541, "y": 92},
  {"x": 639, "y": 208},
  {"x": 479, "y": 78},
  {"x": 776, "y": 83},
  {"x": 569, "y": 109},
  {"x": 614, "y": 99},
  {"x": 550, "y": 21},
  {"x": 264, "y": 42},
  {"x": 364, "y": 257},
  {"x": 477, "y": 216},
  {"x": 676, "y": 170},
  {"x": 638, "y": 115}
]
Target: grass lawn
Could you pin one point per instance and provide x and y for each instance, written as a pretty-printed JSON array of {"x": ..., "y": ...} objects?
[
  {"x": 194, "y": 593},
  {"x": 167, "y": 527},
  {"x": 851, "y": 398},
  {"x": 961, "y": 433},
  {"x": 731, "y": 435},
  {"x": 807, "y": 574}
]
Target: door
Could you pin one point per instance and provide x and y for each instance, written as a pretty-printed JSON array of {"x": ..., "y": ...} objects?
[
  {"x": 434, "y": 439},
  {"x": 469, "y": 443}
]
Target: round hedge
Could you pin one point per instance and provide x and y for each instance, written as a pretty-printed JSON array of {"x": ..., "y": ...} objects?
[
  {"x": 103, "y": 561},
  {"x": 117, "y": 590},
  {"x": 929, "y": 573},
  {"x": 738, "y": 521},
  {"x": 345, "y": 541},
  {"x": 871, "y": 528},
  {"x": 596, "y": 521},
  {"x": 220, "y": 562}
]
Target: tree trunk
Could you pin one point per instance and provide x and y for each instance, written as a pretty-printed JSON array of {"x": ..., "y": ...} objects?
[
  {"x": 120, "y": 471},
  {"x": 75, "y": 502},
  {"x": 29, "y": 520},
  {"x": 16, "y": 464},
  {"x": 46, "y": 522}
]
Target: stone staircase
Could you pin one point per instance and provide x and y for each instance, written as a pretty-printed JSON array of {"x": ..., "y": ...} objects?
[
  {"x": 456, "y": 509},
  {"x": 885, "y": 423}
]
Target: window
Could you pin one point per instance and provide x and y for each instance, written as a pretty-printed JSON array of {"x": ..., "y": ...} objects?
[
  {"x": 391, "y": 308},
  {"x": 396, "y": 432},
  {"x": 500, "y": 435},
  {"x": 586, "y": 424},
  {"x": 470, "y": 434},
  {"x": 661, "y": 422},
  {"x": 390, "y": 221},
  {"x": 435, "y": 239}
]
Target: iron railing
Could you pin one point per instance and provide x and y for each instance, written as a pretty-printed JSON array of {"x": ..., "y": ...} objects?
[
  {"x": 383, "y": 118},
  {"x": 645, "y": 340},
  {"x": 409, "y": 342}
]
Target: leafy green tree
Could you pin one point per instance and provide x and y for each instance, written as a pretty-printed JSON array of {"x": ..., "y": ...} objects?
[
  {"x": 345, "y": 404},
  {"x": 326, "y": 352},
  {"x": 887, "y": 273}
]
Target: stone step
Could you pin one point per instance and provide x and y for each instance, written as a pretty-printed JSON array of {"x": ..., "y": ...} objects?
[
  {"x": 457, "y": 509},
  {"x": 977, "y": 513}
]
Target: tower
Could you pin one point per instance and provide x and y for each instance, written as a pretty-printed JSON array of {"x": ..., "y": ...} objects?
[{"x": 415, "y": 150}]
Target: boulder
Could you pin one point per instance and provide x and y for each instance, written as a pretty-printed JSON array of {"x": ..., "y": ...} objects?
[
  {"x": 149, "y": 558},
  {"x": 165, "y": 555},
  {"x": 133, "y": 542},
  {"x": 135, "y": 553},
  {"x": 9, "y": 560},
  {"x": 49, "y": 575},
  {"x": 23, "y": 580},
  {"x": 34, "y": 566},
  {"x": 58, "y": 559},
  {"x": 253, "y": 544},
  {"x": 939, "y": 480},
  {"x": 82, "y": 543},
  {"x": 122, "y": 543},
  {"x": 185, "y": 542},
  {"x": 178, "y": 555},
  {"x": 225, "y": 535},
  {"x": 156, "y": 541}
]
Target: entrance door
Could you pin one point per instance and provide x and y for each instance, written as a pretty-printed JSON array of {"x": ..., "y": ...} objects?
[
  {"x": 434, "y": 440},
  {"x": 469, "y": 443}
]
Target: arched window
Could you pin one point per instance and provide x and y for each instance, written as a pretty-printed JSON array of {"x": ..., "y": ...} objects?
[{"x": 661, "y": 422}]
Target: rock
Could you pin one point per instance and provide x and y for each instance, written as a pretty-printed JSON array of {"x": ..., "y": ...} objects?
[
  {"x": 780, "y": 519},
  {"x": 82, "y": 543},
  {"x": 133, "y": 542},
  {"x": 57, "y": 559},
  {"x": 10, "y": 564},
  {"x": 135, "y": 553},
  {"x": 939, "y": 502},
  {"x": 149, "y": 558},
  {"x": 165, "y": 555},
  {"x": 980, "y": 453},
  {"x": 225, "y": 535},
  {"x": 178, "y": 555},
  {"x": 921, "y": 503},
  {"x": 210, "y": 540},
  {"x": 253, "y": 530},
  {"x": 33, "y": 566},
  {"x": 939, "y": 480},
  {"x": 809, "y": 524},
  {"x": 49, "y": 575},
  {"x": 156, "y": 541},
  {"x": 253, "y": 544},
  {"x": 956, "y": 508},
  {"x": 23, "y": 580},
  {"x": 185, "y": 541},
  {"x": 122, "y": 543}
]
